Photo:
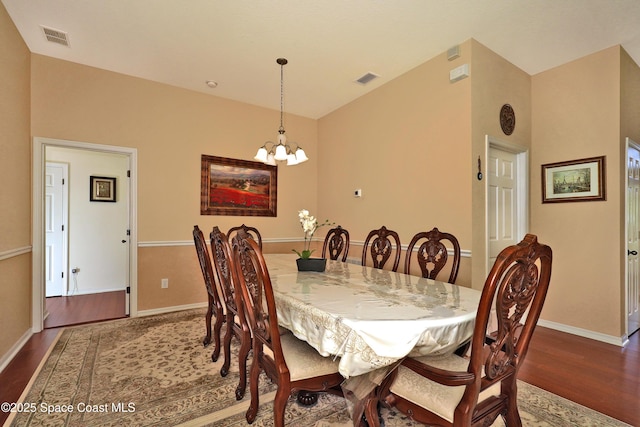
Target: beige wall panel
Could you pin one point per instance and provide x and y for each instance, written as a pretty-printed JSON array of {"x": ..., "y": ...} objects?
[
  {"x": 495, "y": 82},
  {"x": 171, "y": 128},
  {"x": 15, "y": 304},
  {"x": 406, "y": 145},
  {"x": 15, "y": 199},
  {"x": 576, "y": 114},
  {"x": 180, "y": 265},
  {"x": 15, "y": 146}
]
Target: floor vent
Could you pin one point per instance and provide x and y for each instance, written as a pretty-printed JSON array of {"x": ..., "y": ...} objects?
[
  {"x": 367, "y": 78},
  {"x": 56, "y": 36}
]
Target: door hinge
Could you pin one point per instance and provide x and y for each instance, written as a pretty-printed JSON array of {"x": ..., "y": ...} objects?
[
  {"x": 128, "y": 174},
  {"x": 62, "y": 181},
  {"x": 128, "y": 289},
  {"x": 128, "y": 232},
  {"x": 62, "y": 227},
  {"x": 62, "y": 274}
]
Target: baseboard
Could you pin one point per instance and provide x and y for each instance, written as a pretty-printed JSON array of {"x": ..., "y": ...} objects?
[
  {"x": 609, "y": 339},
  {"x": 162, "y": 310},
  {"x": 8, "y": 356}
]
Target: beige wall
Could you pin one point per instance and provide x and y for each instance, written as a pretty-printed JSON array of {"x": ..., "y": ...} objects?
[
  {"x": 495, "y": 82},
  {"x": 171, "y": 128},
  {"x": 15, "y": 199},
  {"x": 406, "y": 145},
  {"x": 576, "y": 114}
]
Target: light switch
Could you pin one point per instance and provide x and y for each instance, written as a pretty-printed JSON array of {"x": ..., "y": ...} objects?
[{"x": 357, "y": 192}]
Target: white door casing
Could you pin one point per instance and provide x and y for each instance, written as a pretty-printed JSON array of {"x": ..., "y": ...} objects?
[
  {"x": 507, "y": 196},
  {"x": 55, "y": 226},
  {"x": 633, "y": 237},
  {"x": 38, "y": 265}
]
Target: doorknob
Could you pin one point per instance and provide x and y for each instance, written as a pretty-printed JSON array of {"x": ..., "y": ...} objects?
[
  {"x": 124, "y": 241},
  {"x": 632, "y": 252}
]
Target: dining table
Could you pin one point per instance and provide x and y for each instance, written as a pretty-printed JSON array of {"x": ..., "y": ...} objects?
[{"x": 368, "y": 318}]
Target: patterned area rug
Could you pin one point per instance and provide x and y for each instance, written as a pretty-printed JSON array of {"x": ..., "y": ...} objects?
[{"x": 154, "y": 371}]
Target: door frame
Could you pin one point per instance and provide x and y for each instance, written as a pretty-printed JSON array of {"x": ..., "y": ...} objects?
[
  {"x": 628, "y": 143},
  {"x": 38, "y": 170},
  {"x": 522, "y": 199}
]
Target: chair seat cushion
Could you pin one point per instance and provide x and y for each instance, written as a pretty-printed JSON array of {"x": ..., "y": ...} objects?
[
  {"x": 303, "y": 360},
  {"x": 437, "y": 398}
]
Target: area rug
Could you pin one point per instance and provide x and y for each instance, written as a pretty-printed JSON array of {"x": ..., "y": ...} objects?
[{"x": 154, "y": 371}]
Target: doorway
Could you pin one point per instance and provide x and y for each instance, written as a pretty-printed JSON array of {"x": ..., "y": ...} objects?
[
  {"x": 632, "y": 294},
  {"x": 96, "y": 265},
  {"x": 55, "y": 228},
  {"x": 507, "y": 197}
]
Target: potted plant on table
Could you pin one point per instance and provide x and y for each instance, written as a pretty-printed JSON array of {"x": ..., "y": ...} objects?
[{"x": 309, "y": 225}]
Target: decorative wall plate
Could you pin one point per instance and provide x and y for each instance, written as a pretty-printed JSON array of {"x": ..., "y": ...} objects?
[{"x": 507, "y": 119}]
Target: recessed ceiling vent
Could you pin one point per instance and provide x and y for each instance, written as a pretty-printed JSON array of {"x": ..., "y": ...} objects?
[
  {"x": 56, "y": 36},
  {"x": 367, "y": 78}
]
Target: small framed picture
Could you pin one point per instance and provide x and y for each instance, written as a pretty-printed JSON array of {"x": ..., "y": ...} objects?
[
  {"x": 102, "y": 189},
  {"x": 574, "y": 181}
]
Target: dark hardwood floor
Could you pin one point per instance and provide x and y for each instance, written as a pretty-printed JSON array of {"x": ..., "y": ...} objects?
[
  {"x": 600, "y": 376},
  {"x": 78, "y": 309},
  {"x": 63, "y": 311}
]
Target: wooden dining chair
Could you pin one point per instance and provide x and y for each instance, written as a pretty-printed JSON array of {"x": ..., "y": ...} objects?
[
  {"x": 214, "y": 302},
  {"x": 460, "y": 391},
  {"x": 252, "y": 231},
  {"x": 288, "y": 361},
  {"x": 237, "y": 324},
  {"x": 337, "y": 243},
  {"x": 380, "y": 244},
  {"x": 432, "y": 254}
]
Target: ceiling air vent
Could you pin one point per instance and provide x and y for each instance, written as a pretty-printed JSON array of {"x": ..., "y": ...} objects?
[
  {"x": 56, "y": 36},
  {"x": 367, "y": 78}
]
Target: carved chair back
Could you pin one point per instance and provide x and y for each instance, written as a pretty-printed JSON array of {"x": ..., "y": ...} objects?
[
  {"x": 380, "y": 245},
  {"x": 237, "y": 324},
  {"x": 336, "y": 242},
  {"x": 432, "y": 254},
  {"x": 252, "y": 231},
  {"x": 214, "y": 301}
]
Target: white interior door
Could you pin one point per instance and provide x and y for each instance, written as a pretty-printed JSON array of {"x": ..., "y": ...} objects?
[
  {"x": 502, "y": 173},
  {"x": 56, "y": 179},
  {"x": 633, "y": 237}
]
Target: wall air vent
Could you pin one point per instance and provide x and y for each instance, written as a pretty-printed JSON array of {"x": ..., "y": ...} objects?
[
  {"x": 367, "y": 78},
  {"x": 55, "y": 36}
]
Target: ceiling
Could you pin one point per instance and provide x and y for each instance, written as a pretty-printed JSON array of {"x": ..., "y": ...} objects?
[{"x": 329, "y": 43}]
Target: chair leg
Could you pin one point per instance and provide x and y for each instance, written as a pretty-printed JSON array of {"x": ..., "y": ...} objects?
[
  {"x": 371, "y": 412},
  {"x": 245, "y": 346},
  {"x": 207, "y": 321},
  {"x": 512, "y": 415},
  {"x": 279, "y": 405},
  {"x": 217, "y": 327},
  {"x": 253, "y": 389},
  {"x": 227, "y": 345}
]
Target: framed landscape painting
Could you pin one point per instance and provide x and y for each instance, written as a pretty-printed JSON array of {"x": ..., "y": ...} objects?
[
  {"x": 237, "y": 187},
  {"x": 574, "y": 181}
]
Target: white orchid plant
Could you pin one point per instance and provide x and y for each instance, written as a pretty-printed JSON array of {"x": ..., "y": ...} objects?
[{"x": 309, "y": 225}]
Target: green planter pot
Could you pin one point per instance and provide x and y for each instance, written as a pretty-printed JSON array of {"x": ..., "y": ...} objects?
[{"x": 311, "y": 264}]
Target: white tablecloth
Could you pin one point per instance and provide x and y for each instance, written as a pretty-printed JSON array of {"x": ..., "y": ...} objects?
[{"x": 370, "y": 318}]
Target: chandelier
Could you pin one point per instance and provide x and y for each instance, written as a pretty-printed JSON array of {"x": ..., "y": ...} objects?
[{"x": 281, "y": 150}]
